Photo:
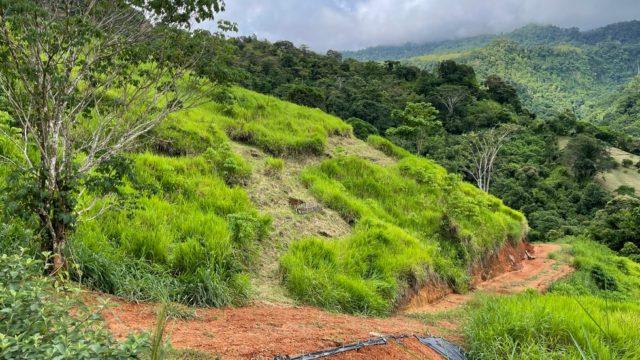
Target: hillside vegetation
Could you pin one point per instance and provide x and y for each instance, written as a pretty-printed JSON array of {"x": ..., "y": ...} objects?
[
  {"x": 591, "y": 314},
  {"x": 414, "y": 224},
  {"x": 553, "y": 68}
]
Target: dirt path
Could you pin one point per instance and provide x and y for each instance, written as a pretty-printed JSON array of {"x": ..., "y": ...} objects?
[
  {"x": 261, "y": 330},
  {"x": 538, "y": 273}
]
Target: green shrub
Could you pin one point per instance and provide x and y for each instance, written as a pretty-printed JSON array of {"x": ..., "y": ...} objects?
[
  {"x": 362, "y": 129},
  {"x": 40, "y": 319},
  {"x": 627, "y": 163},
  {"x": 631, "y": 251},
  {"x": 234, "y": 169},
  {"x": 387, "y": 147}
]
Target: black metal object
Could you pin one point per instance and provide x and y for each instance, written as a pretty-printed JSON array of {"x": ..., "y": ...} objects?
[
  {"x": 336, "y": 350},
  {"x": 443, "y": 347}
]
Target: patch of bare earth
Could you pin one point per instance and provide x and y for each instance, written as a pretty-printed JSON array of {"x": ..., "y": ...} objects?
[
  {"x": 296, "y": 214},
  {"x": 261, "y": 331}
]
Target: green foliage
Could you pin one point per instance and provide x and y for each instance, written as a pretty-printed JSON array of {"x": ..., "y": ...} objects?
[
  {"x": 631, "y": 250},
  {"x": 617, "y": 223},
  {"x": 41, "y": 319},
  {"x": 554, "y": 69},
  {"x": 419, "y": 126},
  {"x": 584, "y": 156},
  {"x": 362, "y": 129},
  {"x": 402, "y": 214}
]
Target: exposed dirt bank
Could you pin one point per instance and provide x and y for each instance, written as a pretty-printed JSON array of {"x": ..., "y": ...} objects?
[{"x": 538, "y": 273}]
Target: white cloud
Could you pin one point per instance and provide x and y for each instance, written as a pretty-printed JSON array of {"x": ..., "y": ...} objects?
[{"x": 342, "y": 24}]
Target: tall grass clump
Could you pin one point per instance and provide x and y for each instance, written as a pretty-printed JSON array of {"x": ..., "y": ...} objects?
[
  {"x": 277, "y": 127},
  {"x": 387, "y": 147},
  {"x": 187, "y": 236},
  {"x": 592, "y": 314},
  {"x": 412, "y": 220},
  {"x": 532, "y": 326}
]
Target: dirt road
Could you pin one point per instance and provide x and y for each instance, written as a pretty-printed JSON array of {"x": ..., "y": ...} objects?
[{"x": 260, "y": 331}]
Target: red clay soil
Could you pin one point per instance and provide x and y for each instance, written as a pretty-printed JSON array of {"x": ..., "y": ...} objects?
[
  {"x": 402, "y": 349},
  {"x": 261, "y": 331},
  {"x": 538, "y": 273}
]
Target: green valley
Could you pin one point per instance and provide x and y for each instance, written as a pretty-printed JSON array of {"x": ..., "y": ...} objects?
[{"x": 170, "y": 192}]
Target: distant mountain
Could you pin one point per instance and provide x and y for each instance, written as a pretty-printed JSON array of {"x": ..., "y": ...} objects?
[
  {"x": 552, "y": 67},
  {"x": 623, "y": 32}
]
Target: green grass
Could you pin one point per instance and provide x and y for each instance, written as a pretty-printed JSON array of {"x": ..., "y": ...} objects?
[
  {"x": 277, "y": 127},
  {"x": 413, "y": 221},
  {"x": 187, "y": 236},
  {"x": 181, "y": 228},
  {"x": 593, "y": 314},
  {"x": 530, "y": 326}
]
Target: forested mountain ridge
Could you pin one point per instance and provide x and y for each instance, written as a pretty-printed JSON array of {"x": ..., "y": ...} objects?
[
  {"x": 623, "y": 32},
  {"x": 553, "y": 68}
]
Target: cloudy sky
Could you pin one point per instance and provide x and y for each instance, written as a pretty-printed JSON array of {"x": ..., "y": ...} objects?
[{"x": 354, "y": 24}]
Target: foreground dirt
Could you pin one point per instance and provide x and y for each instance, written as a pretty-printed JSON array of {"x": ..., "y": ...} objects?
[
  {"x": 259, "y": 331},
  {"x": 262, "y": 330}
]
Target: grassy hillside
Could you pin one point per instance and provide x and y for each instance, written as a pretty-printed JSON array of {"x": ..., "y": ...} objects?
[
  {"x": 591, "y": 314},
  {"x": 191, "y": 233},
  {"x": 413, "y": 223}
]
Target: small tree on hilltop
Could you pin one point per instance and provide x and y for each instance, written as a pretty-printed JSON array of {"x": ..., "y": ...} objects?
[
  {"x": 419, "y": 123},
  {"x": 81, "y": 86},
  {"x": 585, "y": 156}
]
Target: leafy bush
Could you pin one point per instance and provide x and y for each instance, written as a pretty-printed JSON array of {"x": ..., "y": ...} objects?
[
  {"x": 40, "y": 319},
  {"x": 362, "y": 129}
]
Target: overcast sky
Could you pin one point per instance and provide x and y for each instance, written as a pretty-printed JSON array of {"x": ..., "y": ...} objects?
[{"x": 354, "y": 24}]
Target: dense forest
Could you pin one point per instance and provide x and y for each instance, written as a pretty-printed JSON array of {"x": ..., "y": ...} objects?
[
  {"x": 554, "y": 69},
  {"x": 163, "y": 165}
]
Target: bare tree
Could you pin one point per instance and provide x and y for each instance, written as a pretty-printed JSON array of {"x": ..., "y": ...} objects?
[
  {"x": 81, "y": 89},
  {"x": 450, "y": 96},
  {"x": 482, "y": 151}
]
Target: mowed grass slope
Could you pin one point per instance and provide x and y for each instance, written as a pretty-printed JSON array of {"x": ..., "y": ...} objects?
[{"x": 413, "y": 223}]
